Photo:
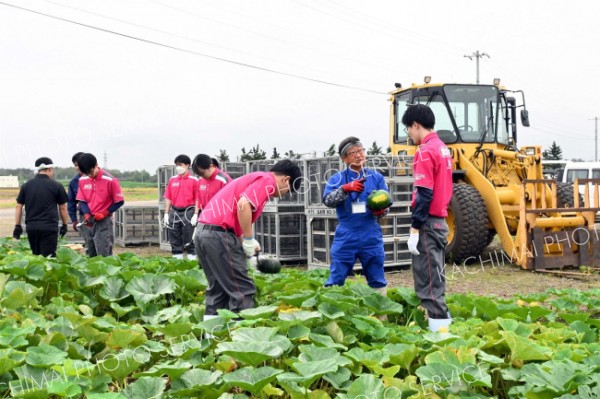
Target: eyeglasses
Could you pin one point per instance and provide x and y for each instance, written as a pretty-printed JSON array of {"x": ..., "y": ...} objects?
[
  {"x": 406, "y": 130},
  {"x": 355, "y": 152}
]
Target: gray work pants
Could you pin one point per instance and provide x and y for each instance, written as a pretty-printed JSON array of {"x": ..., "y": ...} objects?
[
  {"x": 99, "y": 237},
  {"x": 226, "y": 268},
  {"x": 181, "y": 231},
  {"x": 428, "y": 267}
]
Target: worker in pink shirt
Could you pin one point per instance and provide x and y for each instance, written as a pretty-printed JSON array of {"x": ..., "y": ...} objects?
[
  {"x": 99, "y": 196},
  {"x": 211, "y": 180},
  {"x": 180, "y": 196},
  {"x": 225, "y": 239},
  {"x": 428, "y": 237}
]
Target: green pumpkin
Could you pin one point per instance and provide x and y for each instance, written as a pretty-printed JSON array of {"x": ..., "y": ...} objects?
[
  {"x": 268, "y": 265},
  {"x": 378, "y": 199}
]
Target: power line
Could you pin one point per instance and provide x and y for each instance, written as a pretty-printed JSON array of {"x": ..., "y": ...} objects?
[
  {"x": 327, "y": 52},
  {"x": 560, "y": 135},
  {"x": 195, "y": 52},
  {"x": 183, "y": 37}
]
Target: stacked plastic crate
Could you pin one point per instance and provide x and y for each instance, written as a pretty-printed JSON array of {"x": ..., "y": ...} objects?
[
  {"x": 136, "y": 225},
  {"x": 281, "y": 228},
  {"x": 322, "y": 221}
]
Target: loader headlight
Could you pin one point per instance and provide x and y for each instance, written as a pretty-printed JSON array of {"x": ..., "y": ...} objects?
[{"x": 530, "y": 150}]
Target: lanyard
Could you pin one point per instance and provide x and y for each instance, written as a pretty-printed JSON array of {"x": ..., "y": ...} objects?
[{"x": 354, "y": 195}]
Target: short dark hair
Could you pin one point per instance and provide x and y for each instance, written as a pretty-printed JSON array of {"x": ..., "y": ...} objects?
[
  {"x": 202, "y": 161},
  {"x": 215, "y": 162},
  {"x": 184, "y": 159},
  {"x": 347, "y": 143},
  {"x": 286, "y": 167},
  {"x": 44, "y": 161},
  {"x": 75, "y": 158},
  {"x": 419, "y": 113},
  {"x": 86, "y": 163}
]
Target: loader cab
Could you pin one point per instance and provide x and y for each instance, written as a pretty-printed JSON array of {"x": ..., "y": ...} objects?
[{"x": 464, "y": 113}]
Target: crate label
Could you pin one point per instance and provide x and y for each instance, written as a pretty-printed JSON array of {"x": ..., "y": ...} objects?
[
  {"x": 270, "y": 207},
  {"x": 320, "y": 212}
]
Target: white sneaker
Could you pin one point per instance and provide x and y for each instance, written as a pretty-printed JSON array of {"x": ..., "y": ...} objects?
[
  {"x": 192, "y": 257},
  {"x": 178, "y": 256}
]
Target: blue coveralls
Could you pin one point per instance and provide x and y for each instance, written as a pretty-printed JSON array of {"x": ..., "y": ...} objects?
[{"x": 358, "y": 235}]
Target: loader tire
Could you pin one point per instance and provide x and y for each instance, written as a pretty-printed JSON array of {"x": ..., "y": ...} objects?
[
  {"x": 467, "y": 224},
  {"x": 490, "y": 237},
  {"x": 566, "y": 196}
]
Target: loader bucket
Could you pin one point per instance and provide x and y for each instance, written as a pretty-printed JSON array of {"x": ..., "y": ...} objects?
[{"x": 558, "y": 236}]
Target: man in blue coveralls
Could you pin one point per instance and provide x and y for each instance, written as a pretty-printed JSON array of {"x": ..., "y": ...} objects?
[{"x": 358, "y": 235}]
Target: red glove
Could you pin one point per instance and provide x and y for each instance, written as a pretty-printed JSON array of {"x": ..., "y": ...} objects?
[
  {"x": 98, "y": 216},
  {"x": 74, "y": 224},
  {"x": 88, "y": 220},
  {"x": 379, "y": 213},
  {"x": 355, "y": 185}
]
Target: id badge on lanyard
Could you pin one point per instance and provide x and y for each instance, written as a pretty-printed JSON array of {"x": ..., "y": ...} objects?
[{"x": 357, "y": 206}]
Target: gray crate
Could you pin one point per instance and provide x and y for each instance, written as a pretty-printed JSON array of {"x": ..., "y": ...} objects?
[
  {"x": 163, "y": 174},
  {"x": 318, "y": 172},
  {"x": 134, "y": 225},
  {"x": 282, "y": 235},
  {"x": 163, "y": 231},
  {"x": 397, "y": 171},
  {"x": 235, "y": 169},
  {"x": 321, "y": 224},
  {"x": 294, "y": 199}
]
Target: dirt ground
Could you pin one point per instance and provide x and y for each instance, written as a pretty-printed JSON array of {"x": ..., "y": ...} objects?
[{"x": 493, "y": 277}]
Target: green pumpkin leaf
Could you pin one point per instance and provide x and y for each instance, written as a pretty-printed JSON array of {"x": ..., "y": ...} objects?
[
  {"x": 249, "y": 352},
  {"x": 251, "y": 379},
  {"x": 114, "y": 289},
  {"x": 366, "y": 384},
  {"x": 45, "y": 355},
  {"x": 260, "y": 312},
  {"x": 149, "y": 287},
  {"x": 330, "y": 310},
  {"x": 195, "y": 381},
  {"x": 146, "y": 388}
]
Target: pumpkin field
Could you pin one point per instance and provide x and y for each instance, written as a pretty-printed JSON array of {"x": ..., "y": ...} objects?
[{"x": 131, "y": 327}]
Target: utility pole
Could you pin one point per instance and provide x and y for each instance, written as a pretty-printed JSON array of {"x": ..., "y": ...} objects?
[
  {"x": 477, "y": 56},
  {"x": 595, "y": 138},
  {"x": 105, "y": 166}
]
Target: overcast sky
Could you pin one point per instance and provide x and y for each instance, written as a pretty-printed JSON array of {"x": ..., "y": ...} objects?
[{"x": 66, "y": 88}]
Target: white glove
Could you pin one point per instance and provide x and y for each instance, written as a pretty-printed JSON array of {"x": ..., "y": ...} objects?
[
  {"x": 250, "y": 246},
  {"x": 413, "y": 240},
  {"x": 194, "y": 220},
  {"x": 166, "y": 218}
]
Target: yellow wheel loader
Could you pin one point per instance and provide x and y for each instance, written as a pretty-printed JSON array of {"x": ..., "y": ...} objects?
[{"x": 500, "y": 188}]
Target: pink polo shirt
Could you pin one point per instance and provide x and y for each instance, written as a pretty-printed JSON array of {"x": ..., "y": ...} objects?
[
  {"x": 208, "y": 188},
  {"x": 433, "y": 170},
  {"x": 181, "y": 190},
  {"x": 99, "y": 192},
  {"x": 222, "y": 208}
]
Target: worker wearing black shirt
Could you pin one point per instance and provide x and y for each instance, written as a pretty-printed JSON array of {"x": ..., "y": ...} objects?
[{"x": 41, "y": 196}]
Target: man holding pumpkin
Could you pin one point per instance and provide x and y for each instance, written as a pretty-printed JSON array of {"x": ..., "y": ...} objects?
[{"x": 358, "y": 235}]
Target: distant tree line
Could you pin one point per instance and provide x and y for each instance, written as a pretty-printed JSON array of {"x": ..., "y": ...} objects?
[
  {"x": 66, "y": 174},
  {"x": 256, "y": 153}
]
